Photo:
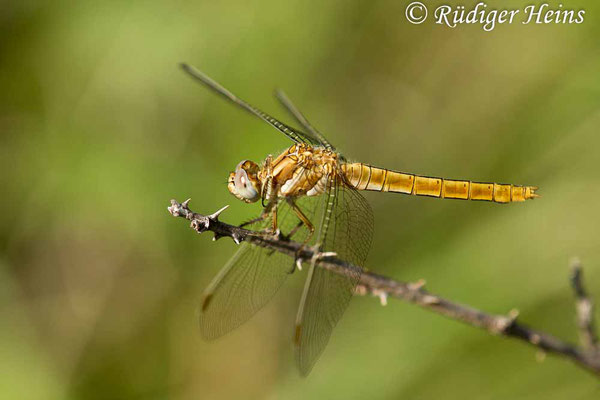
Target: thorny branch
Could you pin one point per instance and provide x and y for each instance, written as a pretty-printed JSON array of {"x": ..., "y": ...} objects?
[
  {"x": 585, "y": 309},
  {"x": 587, "y": 357}
]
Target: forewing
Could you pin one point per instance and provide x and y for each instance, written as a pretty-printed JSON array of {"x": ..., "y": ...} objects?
[
  {"x": 348, "y": 231},
  {"x": 290, "y": 132}
]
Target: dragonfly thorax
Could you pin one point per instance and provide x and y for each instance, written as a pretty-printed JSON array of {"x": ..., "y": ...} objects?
[{"x": 301, "y": 170}]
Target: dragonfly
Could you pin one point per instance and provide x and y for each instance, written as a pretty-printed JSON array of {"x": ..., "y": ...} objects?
[{"x": 311, "y": 194}]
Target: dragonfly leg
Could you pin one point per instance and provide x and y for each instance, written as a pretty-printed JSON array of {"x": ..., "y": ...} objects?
[
  {"x": 304, "y": 221},
  {"x": 272, "y": 230},
  {"x": 253, "y": 221},
  {"x": 263, "y": 215},
  {"x": 294, "y": 230},
  {"x": 311, "y": 230}
]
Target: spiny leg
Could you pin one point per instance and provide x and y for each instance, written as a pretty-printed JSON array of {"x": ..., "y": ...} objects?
[
  {"x": 260, "y": 218},
  {"x": 274, "y": 231},
  {"x": 304, "y": 219},
  {"x": 316, "y": 248},
  {"x": 294, "y": 230},
  {"x": 263, "y": 215},
  {"x": 311, "y": 230},
  {"x": 290, "y": 235}
]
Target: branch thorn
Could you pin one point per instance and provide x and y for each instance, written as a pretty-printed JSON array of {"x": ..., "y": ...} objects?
[
  {"x": 540, "y": 356},
  {"x": 215, "y": 216},
  {"x": 382, "y": 296},
  {"x": 417, "y": 285},
  {"x": 236, "y": 238},
  {"x": 430, "y": 300}
]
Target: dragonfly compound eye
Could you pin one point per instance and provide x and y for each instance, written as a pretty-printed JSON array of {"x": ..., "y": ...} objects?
[{"x": 244, "y": 183}]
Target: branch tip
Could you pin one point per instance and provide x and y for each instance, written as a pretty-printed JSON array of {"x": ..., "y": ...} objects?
[{"x": 174, "y": 208}]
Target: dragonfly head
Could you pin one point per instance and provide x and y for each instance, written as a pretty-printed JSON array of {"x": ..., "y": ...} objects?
[{"x": 243, "y": 183}]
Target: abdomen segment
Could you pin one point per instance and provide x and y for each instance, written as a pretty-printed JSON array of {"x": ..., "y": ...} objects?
[{"x": 366, "y": 177}]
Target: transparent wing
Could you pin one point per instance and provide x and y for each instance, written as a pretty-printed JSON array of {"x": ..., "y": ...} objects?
[
  {"x": 247, "y": 282},
  {"x": 295, "y": 112},
  {"x": 290, "y": 132},
  {"x": 346, "y": 227}
]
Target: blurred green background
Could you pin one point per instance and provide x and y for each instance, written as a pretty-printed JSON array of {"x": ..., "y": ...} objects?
[{"x": 100, "y": 286}]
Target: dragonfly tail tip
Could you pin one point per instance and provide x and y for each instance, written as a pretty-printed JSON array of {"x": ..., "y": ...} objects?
[{"x": 531, "y": 193}]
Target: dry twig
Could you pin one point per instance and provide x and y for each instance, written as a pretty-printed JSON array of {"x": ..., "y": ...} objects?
[
  {"x": 585, "y": 309},
  {"x": 383, "y": 287}
]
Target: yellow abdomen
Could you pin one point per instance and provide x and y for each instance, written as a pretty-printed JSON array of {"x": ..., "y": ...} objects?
[{"x": 366, "y": 177}]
